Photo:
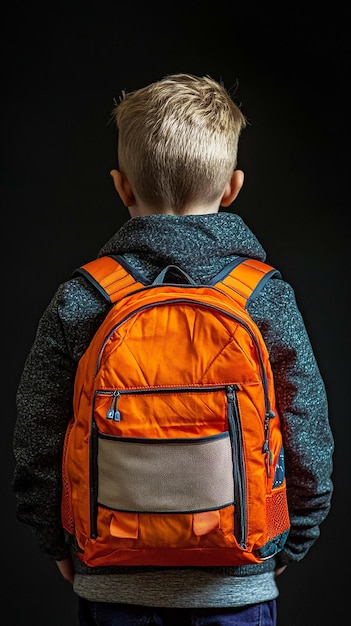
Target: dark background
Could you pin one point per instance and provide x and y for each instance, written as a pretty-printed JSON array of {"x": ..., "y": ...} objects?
[{"x": 62, "y": 66}]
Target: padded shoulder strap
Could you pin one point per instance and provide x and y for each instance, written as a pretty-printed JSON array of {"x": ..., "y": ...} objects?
[
  {"x": 244, "y": 279},
  {"x": 109, "y": 276}
]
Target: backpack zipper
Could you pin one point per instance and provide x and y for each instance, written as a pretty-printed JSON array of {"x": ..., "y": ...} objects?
[
  {"x": 235, "y": 434},
  {"x": 269, "y": 414},
  {"x": 113, "y": 412},
  {"x": 263, "y": 373},
  {"x": 233, "y": 417}
]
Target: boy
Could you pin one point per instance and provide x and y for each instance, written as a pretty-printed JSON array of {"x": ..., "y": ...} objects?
[{"x": 177, "y": 155}]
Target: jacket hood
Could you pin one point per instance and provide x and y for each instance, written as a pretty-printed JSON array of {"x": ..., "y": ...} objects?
[{"x": 204, "y": 242}]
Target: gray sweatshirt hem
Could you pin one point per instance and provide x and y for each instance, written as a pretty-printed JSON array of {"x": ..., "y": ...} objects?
[{"x": 172, "y": 589}]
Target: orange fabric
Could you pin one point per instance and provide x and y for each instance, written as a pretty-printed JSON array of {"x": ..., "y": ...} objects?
[
  {"x": 165, "y": 373},
  {"x": 204, "y": 523},
  {"x": 125, "y": 525},
  {"x": 112, "y": 277}
]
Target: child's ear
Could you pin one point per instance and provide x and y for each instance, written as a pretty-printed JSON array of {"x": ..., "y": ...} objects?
[
  {"x": 123, "y": 188},
  {"x": 232, "y": 188}
]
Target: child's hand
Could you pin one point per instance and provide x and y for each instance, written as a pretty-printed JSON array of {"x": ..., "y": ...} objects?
[
  {"x": 280, "y": 570},
  {"x": 66, "y": 568}
]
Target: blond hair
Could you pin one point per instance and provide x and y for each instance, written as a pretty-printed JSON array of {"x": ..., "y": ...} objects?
[{"x": 178, "y": 140}]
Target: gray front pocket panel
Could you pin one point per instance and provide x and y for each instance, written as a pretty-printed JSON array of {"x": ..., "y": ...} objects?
[{"x": 165, "y": 476}]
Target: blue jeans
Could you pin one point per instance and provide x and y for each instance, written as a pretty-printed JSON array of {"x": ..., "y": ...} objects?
[{"x": 111, "y": 614}]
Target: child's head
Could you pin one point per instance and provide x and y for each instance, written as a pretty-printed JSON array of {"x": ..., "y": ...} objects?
[{"x": 178, "y": 142}]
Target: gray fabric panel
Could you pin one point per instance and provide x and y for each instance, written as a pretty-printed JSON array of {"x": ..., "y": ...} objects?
[{"x": 165, "y": 476}]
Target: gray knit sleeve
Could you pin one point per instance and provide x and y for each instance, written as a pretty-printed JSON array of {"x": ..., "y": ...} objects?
[
  {"x": 44, "y": 402},
  {"x": 303, "y": 408}
]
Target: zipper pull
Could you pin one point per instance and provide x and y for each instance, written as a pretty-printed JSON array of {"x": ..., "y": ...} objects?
[
  {"x": 265, "y": 448},
  {"x": 230, "y": 393},
  {"x": 267, "y": 419},
  {"x": 113, "y": 412}
]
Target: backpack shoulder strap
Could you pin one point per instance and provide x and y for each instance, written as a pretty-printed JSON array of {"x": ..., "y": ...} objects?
[
  {"x": 243, "y": 279},
  {"x": 112, "y": 279}
]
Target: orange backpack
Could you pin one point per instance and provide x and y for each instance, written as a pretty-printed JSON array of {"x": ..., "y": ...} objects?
[{"x": 174, "y": 455}]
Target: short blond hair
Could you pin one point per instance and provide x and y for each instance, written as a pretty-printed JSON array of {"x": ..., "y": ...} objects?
[{"x": 178, "y": 140}]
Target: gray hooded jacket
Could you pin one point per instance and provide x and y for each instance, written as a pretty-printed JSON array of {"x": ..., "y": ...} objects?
[{"x": 201, "y": 245}]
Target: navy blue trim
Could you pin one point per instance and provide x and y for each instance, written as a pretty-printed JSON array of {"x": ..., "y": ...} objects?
[
  {"x": 261, "y": 284},
  {"x": 273, "y": 546},
  {"x": 226, "y": 270},
  {"x": 216, "y": 508},
  {"x": 83, "y": 272},
  {"x": 169, "y": 440},
  {"x": 160, "y": 278},
  {"x": 138, "y": 276}
]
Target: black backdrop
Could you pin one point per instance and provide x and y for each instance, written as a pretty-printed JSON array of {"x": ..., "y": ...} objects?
[{"x": 62, "y": 66}]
